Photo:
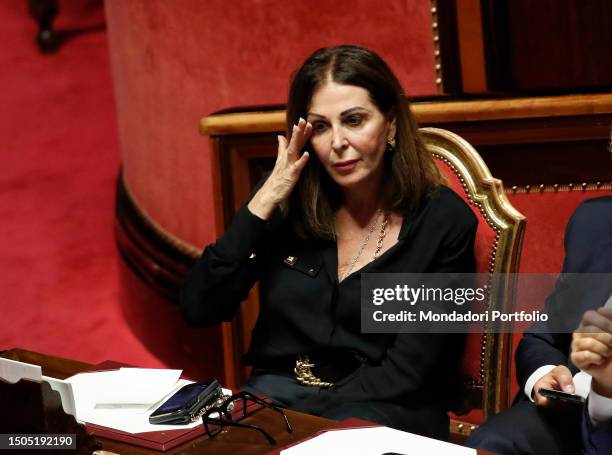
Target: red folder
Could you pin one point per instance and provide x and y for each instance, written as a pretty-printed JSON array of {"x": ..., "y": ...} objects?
[{"x": 159, "y": 440}]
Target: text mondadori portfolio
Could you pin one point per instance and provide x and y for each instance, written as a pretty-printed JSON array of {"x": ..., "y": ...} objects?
[{"x": 456, "y": 316}]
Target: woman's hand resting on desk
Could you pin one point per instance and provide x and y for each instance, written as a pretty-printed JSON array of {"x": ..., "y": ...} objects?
[
  {"x": 592, "y": 349},
  {"x": 285, "y": 174}
]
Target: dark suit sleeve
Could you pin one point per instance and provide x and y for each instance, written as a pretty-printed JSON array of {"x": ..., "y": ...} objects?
[
  {"x": 596, "y": 441},
  {"x": 415, "y": 360},
  {"x": 538, "y": 347},
  {"x": 223, "y": 275}
]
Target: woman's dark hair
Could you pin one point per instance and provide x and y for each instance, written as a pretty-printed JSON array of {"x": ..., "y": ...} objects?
[{"x": 410, "y": 171}]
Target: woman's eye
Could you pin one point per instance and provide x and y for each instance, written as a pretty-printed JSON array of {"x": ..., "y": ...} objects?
[
  {"x": 318, "y": 127},
  {"x": 354, "y": 120}
]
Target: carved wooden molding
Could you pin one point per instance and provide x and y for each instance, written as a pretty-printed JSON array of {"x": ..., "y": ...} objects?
[{"x": 432, "y": 112}]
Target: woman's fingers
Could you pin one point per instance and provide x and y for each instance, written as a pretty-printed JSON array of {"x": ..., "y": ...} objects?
[
  {"x": 281, "y": 156},
  {"x": 299, "y": 136},
  {"x": 307, "y": 133},
  {"x": 299, "y": 164},
  {"x": 293, "y": 139}
]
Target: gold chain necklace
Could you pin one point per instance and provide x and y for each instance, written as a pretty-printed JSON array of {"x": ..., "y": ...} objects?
[{"x": 379, "y": 241}]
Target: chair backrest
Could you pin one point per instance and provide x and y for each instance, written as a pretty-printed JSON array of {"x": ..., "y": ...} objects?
[{"x": 487, "y": 359}]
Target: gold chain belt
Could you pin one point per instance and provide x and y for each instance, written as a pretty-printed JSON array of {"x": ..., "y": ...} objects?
[{"x": 305, "y": 376}]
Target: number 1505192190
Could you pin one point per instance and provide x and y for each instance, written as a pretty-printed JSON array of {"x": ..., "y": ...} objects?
[{"x": 37, "y": 441}]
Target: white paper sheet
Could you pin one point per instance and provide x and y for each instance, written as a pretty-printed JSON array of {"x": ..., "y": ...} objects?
[
  {"x": 131, "y": 419},
  {"x": 126, "y": 386},
  {"x": 134, "y": 420},
  {"x": 375, "y": 441}
]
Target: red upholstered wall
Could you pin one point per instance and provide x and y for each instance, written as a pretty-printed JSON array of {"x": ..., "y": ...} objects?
[{"x": 174, "y": 62}]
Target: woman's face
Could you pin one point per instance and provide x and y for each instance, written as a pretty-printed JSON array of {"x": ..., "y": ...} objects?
[{"x": 349, "y": 134}]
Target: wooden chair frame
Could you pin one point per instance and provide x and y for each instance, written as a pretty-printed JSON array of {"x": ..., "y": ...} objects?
[{"x": 486, "y": 195}]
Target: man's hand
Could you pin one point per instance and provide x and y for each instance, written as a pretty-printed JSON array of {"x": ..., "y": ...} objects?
[
  {"x": 592, "y": 349},
  {"x": 560, "y": 378}
]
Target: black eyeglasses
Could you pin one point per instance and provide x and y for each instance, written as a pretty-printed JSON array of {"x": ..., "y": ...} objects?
[{"x": 235, "y": 408}]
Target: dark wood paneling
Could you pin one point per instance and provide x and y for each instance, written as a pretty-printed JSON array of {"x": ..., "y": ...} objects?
[
  {"x": 550, "y": 163},
  {"x": 449, "y": 46},
  {"x": 540, "y": 151},
  {"x": 548, "y": 45}
]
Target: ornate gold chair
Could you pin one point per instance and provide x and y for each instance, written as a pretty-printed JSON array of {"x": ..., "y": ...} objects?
[{"x": 487, "y": 359}]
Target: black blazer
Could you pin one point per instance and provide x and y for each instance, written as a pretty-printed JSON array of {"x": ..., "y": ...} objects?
[
  {"x": 588, "y": 249},
  {"x": 305, "y": 309}
]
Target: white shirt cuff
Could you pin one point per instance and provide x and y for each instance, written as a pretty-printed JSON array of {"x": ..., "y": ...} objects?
[
  {"x": 582, "y": 384},
  {"x": 535, "y": 377},
  {"x": 600, "y": 408}
]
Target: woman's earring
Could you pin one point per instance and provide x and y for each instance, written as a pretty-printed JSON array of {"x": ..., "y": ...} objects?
[{"x": 391, "y": 145}]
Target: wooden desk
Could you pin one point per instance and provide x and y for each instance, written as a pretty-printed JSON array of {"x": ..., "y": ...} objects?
[{"x": 234, "y": 440}]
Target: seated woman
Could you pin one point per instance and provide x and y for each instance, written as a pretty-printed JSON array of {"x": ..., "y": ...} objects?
[{"x": 353, "y": 190}]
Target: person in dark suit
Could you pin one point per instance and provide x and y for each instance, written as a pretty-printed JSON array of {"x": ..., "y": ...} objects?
[
  {"x": 353, "y": 190},
  {"x": 534, "y": 424},
  {"x": 597, "y": 439},
  {"x": 592, "y": 353}
]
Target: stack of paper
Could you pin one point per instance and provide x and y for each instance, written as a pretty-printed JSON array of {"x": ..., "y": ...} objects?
[{"x": 124, "y": 398}]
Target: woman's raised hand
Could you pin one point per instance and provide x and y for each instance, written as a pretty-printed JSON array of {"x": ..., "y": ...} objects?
[{"x": 285, "y": 174}]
